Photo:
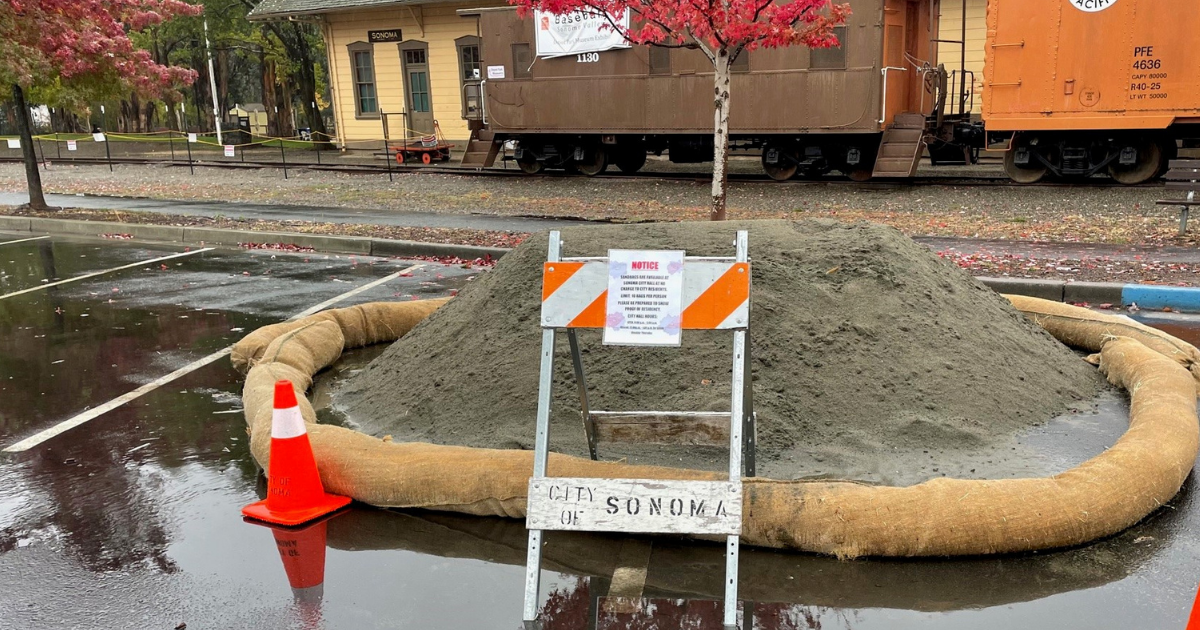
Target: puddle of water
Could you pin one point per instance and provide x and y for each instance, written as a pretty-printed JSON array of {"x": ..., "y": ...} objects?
[
  {"x": 133, "y": 521},
  {"x": 31, "y": 263}
]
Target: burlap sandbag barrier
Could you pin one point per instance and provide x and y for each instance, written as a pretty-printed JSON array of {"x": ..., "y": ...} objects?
[
  {"x": 941, "y": 517},
  {"x": 1086, "y": 329}
]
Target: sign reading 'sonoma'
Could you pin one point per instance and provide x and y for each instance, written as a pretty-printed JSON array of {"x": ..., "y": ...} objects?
[
  {"x": 647, "y": 506},
  {"x": 1091, "y": 6},
  {"x": 559, "y": 35}
]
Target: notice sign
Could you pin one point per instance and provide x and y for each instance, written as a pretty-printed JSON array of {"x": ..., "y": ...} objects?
[
  {"x": 14, "y": 143},
  {"x": 560, "y": 35},
  {"x": 72, "y": 145},
  {"x": 645, "y": 298},
  {"x": 192, "y": 138},
  {"x": 495, "y": 72},
  {"x": 644, "y": 506},
  {"x": 98, "y": 137},
  {"x": 229, "y": 150}
]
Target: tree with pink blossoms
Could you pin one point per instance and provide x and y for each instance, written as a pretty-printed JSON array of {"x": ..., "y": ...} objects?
[
  {"x": 67, "y": 52},
  {"x": 722, "y": 30}
]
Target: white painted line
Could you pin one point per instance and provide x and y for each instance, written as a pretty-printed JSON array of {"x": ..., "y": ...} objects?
[
  {"x": 25, "y": 240},
  {"x": 96, "y": 412},
  {"x": 101, "y": 273}
]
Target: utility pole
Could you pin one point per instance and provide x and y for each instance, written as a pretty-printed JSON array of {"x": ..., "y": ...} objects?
[{"x": 212, "y": 82}]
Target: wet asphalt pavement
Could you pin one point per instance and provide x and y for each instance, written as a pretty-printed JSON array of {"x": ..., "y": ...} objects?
[{"x": 131, "y": 520}]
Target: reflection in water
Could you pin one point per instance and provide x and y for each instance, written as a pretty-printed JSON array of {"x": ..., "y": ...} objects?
[{"x": 302, "y": 551}]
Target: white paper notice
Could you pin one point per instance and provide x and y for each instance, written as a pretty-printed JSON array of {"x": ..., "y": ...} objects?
[
  {"x": 645, "y": 298},
  {"x": 495, "y": 72},
  {"x": 192, "y": 137},
  {"x": 98, "y": 137},
  {"x": 72, "y": 145},
  {"x": 229, "y": 150},
  {"x": 14, "y": 143}
]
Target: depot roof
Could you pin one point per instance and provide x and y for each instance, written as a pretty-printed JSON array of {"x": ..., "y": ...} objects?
[{"x": 279, "y": 9}]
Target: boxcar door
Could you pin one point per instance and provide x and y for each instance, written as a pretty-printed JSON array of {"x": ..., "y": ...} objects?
[{"x": 414, "y": 57}]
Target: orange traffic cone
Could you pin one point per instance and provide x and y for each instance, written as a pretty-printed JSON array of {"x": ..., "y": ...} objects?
[
  {"x": 1194, "y": 618},
  {"x": 294, "y": 491}
]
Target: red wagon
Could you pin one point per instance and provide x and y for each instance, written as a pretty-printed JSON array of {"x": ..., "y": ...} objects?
[{"x": 426, "y": 148}]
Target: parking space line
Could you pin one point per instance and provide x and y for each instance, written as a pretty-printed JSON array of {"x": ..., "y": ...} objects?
[
  {"x": 25, "y": 240},
  {"x": 101, "y": 273},
  {"x": 96, "y": 412}
]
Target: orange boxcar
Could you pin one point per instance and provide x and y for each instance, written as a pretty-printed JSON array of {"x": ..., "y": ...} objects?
[{"x": 1092, "y": 85}]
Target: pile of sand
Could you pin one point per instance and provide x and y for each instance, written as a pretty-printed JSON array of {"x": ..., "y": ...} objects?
[{"x": 873, "y": 359}]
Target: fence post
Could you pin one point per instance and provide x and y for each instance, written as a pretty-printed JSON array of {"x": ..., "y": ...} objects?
[
  {"x": 171, "y": 141},
  {"x": 107, "y": 152},
  {"x": 317, "y": 148},
  {"x": 57, "y": 146},
  {"x": 189, "y": 148},
  {"x": 387, "y": 157},
  {"x": 283, "y": 156}
]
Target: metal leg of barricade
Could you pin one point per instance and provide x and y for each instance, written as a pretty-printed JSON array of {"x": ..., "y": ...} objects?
[
  {"x": 738, "y": 410},
  {"x": 533, "y": 560},
  {"x": 589, "y": 423},
  {"x": 748, "y": 419}
]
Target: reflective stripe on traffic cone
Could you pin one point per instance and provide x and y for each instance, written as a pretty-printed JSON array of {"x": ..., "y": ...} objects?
[{"x": 294, "y": 491}]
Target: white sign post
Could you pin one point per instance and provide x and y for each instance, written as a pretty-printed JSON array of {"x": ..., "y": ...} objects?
[
  {"x": 649, "y": 297},
  {"x": 578, "y": 32},
  {"x": 645, "y": 298}
]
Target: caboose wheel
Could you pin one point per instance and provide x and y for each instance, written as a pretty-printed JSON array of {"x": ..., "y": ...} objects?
[
  {"x": 594, "y": 162},
  {"x": 530, "y": 166},
  {"x": 862, "y": 174},
  {"x": 1149, "y": 163},
  {"x": 631, "y": 159},
  {"x": 779, "y": 164}
]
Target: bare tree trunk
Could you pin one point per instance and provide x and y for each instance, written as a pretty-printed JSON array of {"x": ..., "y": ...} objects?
[
  {"x": 33, "y": 177},
  {"x": 286, "y": 129},
  {"x": 720, "y": 179},
  {"x": 268, "y": 92}
]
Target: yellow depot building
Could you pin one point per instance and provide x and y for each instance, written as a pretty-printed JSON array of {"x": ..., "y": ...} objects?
[
  {"x": 950, "y": 31},
  {"x": 402, "y": 64}
]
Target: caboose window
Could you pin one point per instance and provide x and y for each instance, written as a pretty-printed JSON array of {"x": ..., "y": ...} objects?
[
  {"x": 660, "y": 60},
  {"x": 362, "y": 66},
  {"x": 831, "y": 58},
  {"x": 522, "y": 59}
]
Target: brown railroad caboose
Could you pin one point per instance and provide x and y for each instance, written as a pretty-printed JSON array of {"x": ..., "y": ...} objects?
[{"x": 861, "y": 109}]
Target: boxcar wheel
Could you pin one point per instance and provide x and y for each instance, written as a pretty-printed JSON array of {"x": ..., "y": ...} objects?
[
  {"x": 1148, "y": 165},
  {"x": 1023, "y": 173}
]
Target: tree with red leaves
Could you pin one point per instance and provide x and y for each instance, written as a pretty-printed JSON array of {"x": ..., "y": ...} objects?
[
  {"x": 722, "y": 30},
  {"x": 71, "y": 51}
]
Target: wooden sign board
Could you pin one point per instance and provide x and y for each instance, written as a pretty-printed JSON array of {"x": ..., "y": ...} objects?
[
  {"x": 382, "y": 37},
  {"x": 643, "y": 506}
]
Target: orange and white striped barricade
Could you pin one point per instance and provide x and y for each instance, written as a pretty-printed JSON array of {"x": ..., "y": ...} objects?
[{"x": 648, "y": 301}]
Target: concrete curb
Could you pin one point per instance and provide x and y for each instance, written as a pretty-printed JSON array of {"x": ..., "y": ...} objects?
[
  {"x": 361, "y": 245},
  {"x": 1147, "y": 296}
]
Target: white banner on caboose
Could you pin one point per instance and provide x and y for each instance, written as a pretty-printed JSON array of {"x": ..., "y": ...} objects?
[{"x": 578, "y": 32}]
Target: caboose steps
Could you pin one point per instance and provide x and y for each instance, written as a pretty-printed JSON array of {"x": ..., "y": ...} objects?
[
  {"x": 482, "y": 149},
  {"x": 901, "y": 147}
]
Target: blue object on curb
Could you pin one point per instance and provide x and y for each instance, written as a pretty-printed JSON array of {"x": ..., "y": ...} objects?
[{"x": 1158, "y": 297}]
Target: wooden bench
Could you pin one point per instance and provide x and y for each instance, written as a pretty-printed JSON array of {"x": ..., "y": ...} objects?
[{"x": 1183, "y": 176}]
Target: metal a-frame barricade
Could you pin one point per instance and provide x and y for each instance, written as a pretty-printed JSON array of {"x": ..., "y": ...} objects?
[{"x": 716, "y": 296}]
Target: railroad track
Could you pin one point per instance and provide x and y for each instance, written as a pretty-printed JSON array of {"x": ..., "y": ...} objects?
[{"x": 699, "y": 178}]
